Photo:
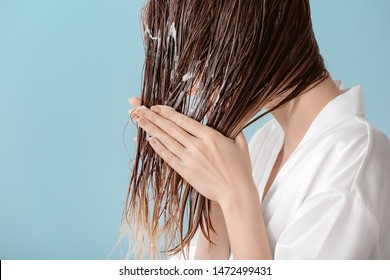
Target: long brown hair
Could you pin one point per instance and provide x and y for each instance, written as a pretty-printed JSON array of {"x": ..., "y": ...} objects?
[{"x": 240, "y": 55}]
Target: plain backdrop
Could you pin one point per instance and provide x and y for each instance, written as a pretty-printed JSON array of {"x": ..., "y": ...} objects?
[{"x": 67, "y": 68}]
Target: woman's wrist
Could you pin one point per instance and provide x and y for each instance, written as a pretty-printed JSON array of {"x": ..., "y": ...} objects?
[
  {"x": 220, "y": 250},
  {"x": 245, "y": 224},
  {"x": 241, "y": 195}
]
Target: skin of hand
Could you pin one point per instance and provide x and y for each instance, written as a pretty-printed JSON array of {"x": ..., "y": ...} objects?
[
  {"x": 216, "y": 166},
  {"x": 135, "y": 102},
  {"x": 221, "y": 249}
]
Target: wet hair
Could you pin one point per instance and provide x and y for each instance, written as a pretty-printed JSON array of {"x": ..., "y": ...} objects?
[{"x": 236, "y": 56}]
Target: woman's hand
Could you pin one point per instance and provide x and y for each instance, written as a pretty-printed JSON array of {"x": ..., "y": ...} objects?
[
  {"x": 135, "y": 102},
  {"x": 216, "y": 166}
]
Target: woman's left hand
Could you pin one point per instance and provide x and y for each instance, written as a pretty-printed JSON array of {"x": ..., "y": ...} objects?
[{"x": 218, "y": 167}]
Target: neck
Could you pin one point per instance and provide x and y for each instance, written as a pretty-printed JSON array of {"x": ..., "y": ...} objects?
[{"x": 296, "y": 117}]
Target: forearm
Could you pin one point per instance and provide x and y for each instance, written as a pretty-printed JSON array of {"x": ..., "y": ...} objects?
[
  {"x": 245, "y": 225},
  {"x": 221, "y": 249}
]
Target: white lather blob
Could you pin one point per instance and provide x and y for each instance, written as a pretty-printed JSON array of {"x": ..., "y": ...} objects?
[
  {"x": 147, "y": 31},
  {"x": 172, "y": 31},
  {"x": 187, "y": 76}
]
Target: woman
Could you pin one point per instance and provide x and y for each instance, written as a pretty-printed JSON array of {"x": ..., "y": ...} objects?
[{"x": 313, "y": 182}]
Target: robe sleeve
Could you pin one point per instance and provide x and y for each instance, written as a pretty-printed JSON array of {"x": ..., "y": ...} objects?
[{"x": 330, "y": 225}]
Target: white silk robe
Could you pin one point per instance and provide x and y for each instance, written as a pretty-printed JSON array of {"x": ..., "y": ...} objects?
[{"x": 331, "y": 199}]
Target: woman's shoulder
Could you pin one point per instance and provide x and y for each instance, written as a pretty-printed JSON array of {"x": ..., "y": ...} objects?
[
  {"x": 370, "y": 147},
  {"x": 358, "y": 135},
  {"x": 354, "y": 157},
  {"x": 354, "y": 145}
]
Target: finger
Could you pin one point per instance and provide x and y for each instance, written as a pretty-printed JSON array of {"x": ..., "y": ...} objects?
[
  {"x": 131, "y": 113},
  {"x": 169, "y": 143},
  {"x": 134, "y": 101},
  {"x": 166, "y": 155},
  {"x": 188, "y": 124},
  {"x": 169, "y": 127}
]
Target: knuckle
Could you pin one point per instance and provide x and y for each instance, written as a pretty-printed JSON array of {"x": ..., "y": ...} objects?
[
  {"x": 149, "y": 116},
  {"x": 191, "y": 126},
  {"x": 182, "y": 122},
  {"x": 150, "y": 130},
  {"x": 168, "y": 143},
  {"x": 171, "y": 129},
  {"x": 168, "y": 158}
]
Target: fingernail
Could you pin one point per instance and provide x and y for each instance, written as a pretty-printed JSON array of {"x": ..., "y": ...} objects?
[
  {"x": 141, "y": 122},
  {"x": 132, "y": 114},
  {"x": 155, "y": 109},
  {"x": 140, "y": 111}
]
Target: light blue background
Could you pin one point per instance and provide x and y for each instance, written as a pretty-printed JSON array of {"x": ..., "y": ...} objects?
[{"x": 67, "y": 68}]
